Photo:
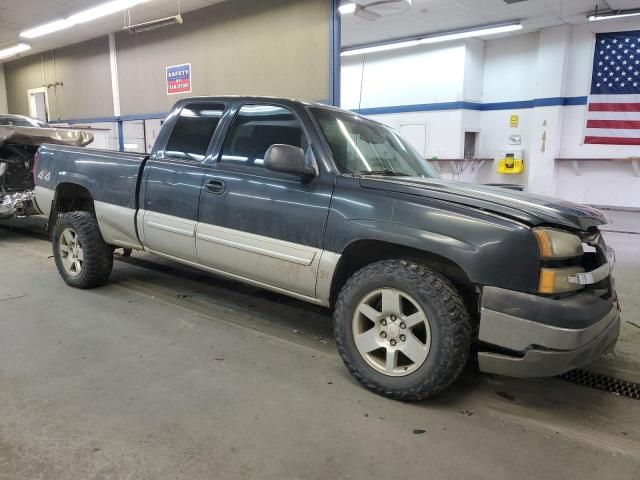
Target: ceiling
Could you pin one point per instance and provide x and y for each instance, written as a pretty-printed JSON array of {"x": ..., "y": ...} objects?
[
  {"x": 424, "y": 16},
  {"x": 16, "y": 16},
  {"x": 431, "y": 16}
]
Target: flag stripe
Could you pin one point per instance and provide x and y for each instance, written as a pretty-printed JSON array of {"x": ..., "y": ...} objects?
[
  {"x": 612, "y": 140},
  {"x": 624, "y": 98},
  {"x": 612, "y": 132},
  {"x": 613, "y": 123},
  {"x": 614, "y": 107},
  {"x": 613, "y": 116}
]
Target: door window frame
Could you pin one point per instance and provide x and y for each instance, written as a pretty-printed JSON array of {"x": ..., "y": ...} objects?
[{"x": 232, "y": 114}]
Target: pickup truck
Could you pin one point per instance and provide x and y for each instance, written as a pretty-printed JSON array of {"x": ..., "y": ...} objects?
[{"x": 332, "y": 208}]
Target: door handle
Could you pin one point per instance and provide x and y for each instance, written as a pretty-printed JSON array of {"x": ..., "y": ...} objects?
[{"x": 215, "y": 186}]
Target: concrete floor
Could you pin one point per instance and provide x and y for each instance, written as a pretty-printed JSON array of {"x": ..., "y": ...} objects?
[{"x": 170, "y": 373}]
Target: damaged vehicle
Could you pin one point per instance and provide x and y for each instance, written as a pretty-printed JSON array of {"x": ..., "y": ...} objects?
[
  {"x": 20, "y": 138},
  {"x": 334, "y": 209}
]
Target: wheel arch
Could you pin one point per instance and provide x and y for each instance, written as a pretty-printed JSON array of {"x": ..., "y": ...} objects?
[
  {"x": 70, "y": 197},
  {"x": 360, "y": 253}
]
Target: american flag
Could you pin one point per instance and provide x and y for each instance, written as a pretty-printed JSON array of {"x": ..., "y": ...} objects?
[{"x": 613, "y": 117}]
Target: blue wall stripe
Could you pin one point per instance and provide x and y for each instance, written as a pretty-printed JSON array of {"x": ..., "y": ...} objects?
[
  {"x": 423, "y": 107},
  {"x": 429, "y": 107}
]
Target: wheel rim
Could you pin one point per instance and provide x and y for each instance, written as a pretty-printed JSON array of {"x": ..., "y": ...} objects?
[
  {"x": 71, "y": 253},
  {"x": 391, "y": 332}
]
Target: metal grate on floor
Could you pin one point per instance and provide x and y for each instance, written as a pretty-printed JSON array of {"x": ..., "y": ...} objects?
[{"x": 602, "y": 382}]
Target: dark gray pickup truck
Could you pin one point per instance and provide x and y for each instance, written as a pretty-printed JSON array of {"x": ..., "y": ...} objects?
[{"x": 337, "y": 210}]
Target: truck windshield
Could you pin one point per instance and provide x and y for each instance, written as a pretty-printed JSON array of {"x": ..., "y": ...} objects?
[{"x": 362, "y": 147}]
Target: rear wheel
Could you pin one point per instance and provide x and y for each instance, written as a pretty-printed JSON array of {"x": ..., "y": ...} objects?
[
  {"x": 82, "y": 257},
  {"x": 402, "y": 329}
]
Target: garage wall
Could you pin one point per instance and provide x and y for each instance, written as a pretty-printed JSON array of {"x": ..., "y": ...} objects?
[
  {"x": 82, "y": 68},
  {"x": 511, "y": 73},
  {"x": 270, "y": 47}
]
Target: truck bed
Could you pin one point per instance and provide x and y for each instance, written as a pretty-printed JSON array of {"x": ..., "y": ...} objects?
[{"x": 111, "y": 177}]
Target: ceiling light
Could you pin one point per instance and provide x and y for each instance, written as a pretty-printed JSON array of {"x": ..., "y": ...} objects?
[
  {"x": 50, "y": 27},
  {"x": 104, "y": 10},
  {"x": 442, "y": 37},
  {"x": 613, "y": 14},
  {"x": 347, "y": 8},
  {"x": 380, "y": 48},
  {"x": 12, "y": 51},
  {"x": 153, "y": 24},
  {"x": 81, "y": 17}
]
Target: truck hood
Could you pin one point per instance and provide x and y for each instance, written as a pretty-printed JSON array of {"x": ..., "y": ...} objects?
[{"x": 529, "y": 208}]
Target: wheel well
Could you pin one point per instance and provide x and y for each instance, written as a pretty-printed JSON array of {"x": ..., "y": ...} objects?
[
  {"x": 71, "y": 197},
  {"x": 364, "y": 252}
]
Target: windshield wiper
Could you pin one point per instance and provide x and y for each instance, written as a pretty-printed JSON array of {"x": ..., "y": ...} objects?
[{"x": 387, "y": 171}]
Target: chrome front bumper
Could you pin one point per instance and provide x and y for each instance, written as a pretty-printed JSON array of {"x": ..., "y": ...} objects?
[{"x": 531, "y": 336}]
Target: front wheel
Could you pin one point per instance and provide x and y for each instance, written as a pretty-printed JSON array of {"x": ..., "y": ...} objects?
[
  {"x": 402, "y": 329},
  {"x": 82, "y": 257}
]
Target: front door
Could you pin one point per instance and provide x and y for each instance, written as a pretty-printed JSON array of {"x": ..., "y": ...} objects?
[
  {"x": 258, "y": 224},
  {"x": 174, "y": 180}
]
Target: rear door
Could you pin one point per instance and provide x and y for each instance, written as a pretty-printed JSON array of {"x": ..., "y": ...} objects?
[
  {"x": 174, "y": 180},
  {"x": 258, "y": 224}
]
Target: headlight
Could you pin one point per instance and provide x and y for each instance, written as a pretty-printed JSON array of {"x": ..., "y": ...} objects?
[
  {"x": 556, "y": 280},
  {"x": 555, "y": 244}
]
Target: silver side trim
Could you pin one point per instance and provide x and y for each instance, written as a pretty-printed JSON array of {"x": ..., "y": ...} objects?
[
  {"x": 296, "y": 270},
  {"x": 306, "y": 298},
  {"x": 117, "y": 225},
  {"x": 174, "y": 236},
  {"x": 326, "y": 270},
  {"x": 519, "y": 334},
  {"x": 290, "y": 252},
  {"x": 44, "y": 199},
  {"x": 170, "y": 223}
]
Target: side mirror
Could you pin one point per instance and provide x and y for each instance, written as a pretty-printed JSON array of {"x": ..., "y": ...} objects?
[{"x": 288, "y": 159}]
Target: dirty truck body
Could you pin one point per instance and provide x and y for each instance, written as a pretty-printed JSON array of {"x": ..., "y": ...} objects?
[{"x": 333, "y": 209}]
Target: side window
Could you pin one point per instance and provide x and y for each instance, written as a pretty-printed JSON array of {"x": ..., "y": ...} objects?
[
  {"x": 257, "y": 127},
  {"x": 193, "y": 130}
]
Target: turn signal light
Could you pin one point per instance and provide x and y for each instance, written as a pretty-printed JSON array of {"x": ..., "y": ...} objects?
[{"x": 556, "y": 280}]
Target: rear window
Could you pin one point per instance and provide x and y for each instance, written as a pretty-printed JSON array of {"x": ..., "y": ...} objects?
[{"x": 193, "y": 131}]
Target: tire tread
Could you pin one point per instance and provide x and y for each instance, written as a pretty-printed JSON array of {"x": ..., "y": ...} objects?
[{"x": 449, "y": 305}]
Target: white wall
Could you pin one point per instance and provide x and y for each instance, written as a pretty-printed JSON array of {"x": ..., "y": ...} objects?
[
  {"x": 426, "y": 74},
  {"x": 554, "y": 62},
  {"x": 509, "y": 68}
]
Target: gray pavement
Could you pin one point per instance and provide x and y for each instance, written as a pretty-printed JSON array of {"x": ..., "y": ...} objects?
[{"x": 167, "y": 372}]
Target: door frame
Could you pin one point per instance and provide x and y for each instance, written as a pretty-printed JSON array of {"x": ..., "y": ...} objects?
[{"x": 31, "y": 103}]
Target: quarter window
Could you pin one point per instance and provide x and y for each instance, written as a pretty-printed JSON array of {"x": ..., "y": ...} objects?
[
  {"x": 255, "y": 129},
  {"x": 193, "y": 130}
]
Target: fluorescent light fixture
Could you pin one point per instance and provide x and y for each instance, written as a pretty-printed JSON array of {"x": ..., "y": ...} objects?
[
  {"x": 15, "y": 50},
  {"x": 613, "y": 14},
  {"x": 104, "y": 10},
  {"x": 347, "y": 8},
  {"x": 47, "y": 28},
  {"x": 442, "y": 37},
  {"x": 154, "y": 24},
  {"x": 81, "y": 17}
]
